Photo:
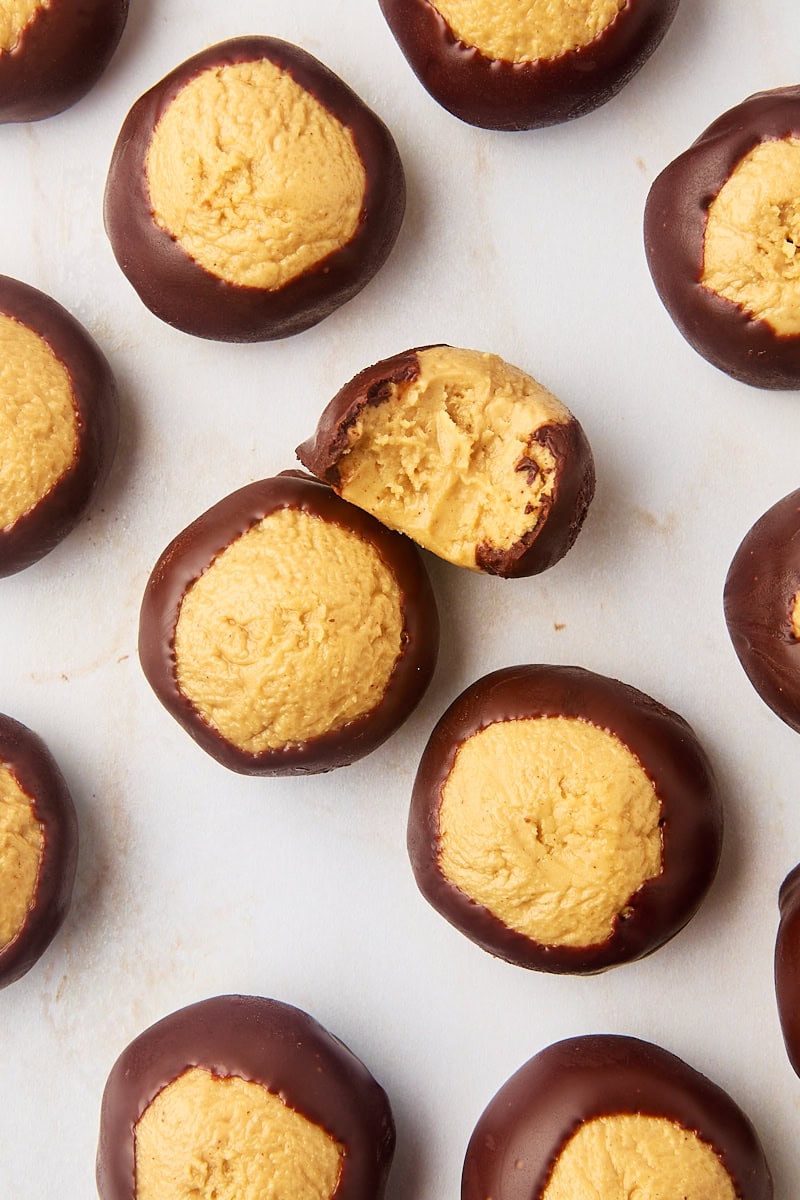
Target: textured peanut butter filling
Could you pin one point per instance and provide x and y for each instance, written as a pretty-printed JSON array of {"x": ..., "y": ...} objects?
[
  {"x": 15, "y": 16},
  {"x": 752, "y": 239},
  {"x": 206, "y": 1136},
  {"x": 294, "y": 630},
  {"x": 796, "y": 617},
  {"x": 254, "y": 178},
  {"x": 21, "y": 847},
  {"x": 650, "y": 1158},
  {"x": 449, "y": 458},
  {"x": 552, "y": 824},
  {"x": 38, "y": 422},
  {"x": 524, "y": 30}
]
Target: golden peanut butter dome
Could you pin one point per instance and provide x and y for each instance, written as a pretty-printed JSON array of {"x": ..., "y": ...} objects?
[
  {"x": 751, "y": 252},
  {"x": 526, "y": 30},
  {"x": 21, "y": 846},
  {"x": 293, "y": 631},
  {"x": 223, "y": 1136},
  {"x": 629, "y": 1154},
  {"x": 253, "y": 176},
  {"x": 15, "y": 16},
  {"x": 38, "y": 421},
  {"x": 556, "y": 846}
]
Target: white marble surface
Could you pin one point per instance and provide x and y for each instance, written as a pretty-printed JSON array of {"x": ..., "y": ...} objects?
[{"x": 193, "y": 881}]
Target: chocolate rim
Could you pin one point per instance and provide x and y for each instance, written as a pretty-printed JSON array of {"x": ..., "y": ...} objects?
[
  {"x": 787, "y": 966},
  {"x": 59, "y": 57},
  {"x": 192, "y": 551},
  {"x": 745, "y": 347},
  {"x": 182, "y": 292},
  {"x": 94, "y": 396},
  {"x": 495, "y": 94},
  {"x": 671, "y": 756},
  {"x": 560, "y": 516},
  {"x": 37, "y": 773},
  {"x": 762, "y": 582},
  {"x": 266, "y": 1042},
  {"x": 601, "y": 1075}
]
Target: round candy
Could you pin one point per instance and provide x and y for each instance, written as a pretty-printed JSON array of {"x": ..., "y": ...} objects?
[
  {"x": 53, "y": 51},
  {"x": 722, "y": 235},
  {"x": 238, "y": 1096},
  {"x": 610, "y": 1116},
  {"x": 787, "y": 966},
  {"x": 251, "y": 193},
  {"x": 59, "y": 422},
  {"x": 287, "y": 631},
  {"x": 522, "y": 64},
  {"x": 762, "y": 607},
  {"x": 38, "y": 849},
  {"x": 562, "y": 820},
  {"x": 467, "y": 455}
]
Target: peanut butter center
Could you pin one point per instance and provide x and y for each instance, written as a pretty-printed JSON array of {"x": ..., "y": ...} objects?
[
  {"x": 207, "y": 1136},
  {"x": 552, "y": 824},
  {"x": 15, "y": 16},
  {"x": 752, "y": 239},
  {"x": 526, "y": 30},
  {"x": 21, "y": 848},
  {"x": 38, "y": 422},
  {"x": 293, "y": 631},
  {"x": 254, "y": 178},
  {"x": 650, "y": 1158},
  {"x": 796, "y": 617},
  {"x": 450, "y": 458}
]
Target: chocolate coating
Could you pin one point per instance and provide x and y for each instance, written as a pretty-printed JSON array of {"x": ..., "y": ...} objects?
[
  {"x": 94, "y": 394},
  {"x": 542, "y": 1106},
  {"x": 762, "y": 582},
  {"x": 265, "y": 1042},
  {"x": 180, "y": 291},
  {"x": 787, "y": 966},
  {"x": 496, "y": 94},
  {"x": 561, "y": 514},
  {"x": 60, "y": 55},
  {"x": 666, "y": 747},
  {"x": 193, "y": 550},
  {"x": 674, "y": 233},
  {"x": 37, "y": 773}
]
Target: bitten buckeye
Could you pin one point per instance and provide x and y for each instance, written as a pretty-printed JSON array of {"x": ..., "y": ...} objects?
[
  {"x": 562, "y": 820},
  {"x": 464, "y": 453},
  {"x": 523, "y": 64},
  {"x": 251, "y": 193}
]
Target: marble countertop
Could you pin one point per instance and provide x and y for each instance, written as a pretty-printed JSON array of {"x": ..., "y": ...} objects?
[{"x": 193, "y": 881}]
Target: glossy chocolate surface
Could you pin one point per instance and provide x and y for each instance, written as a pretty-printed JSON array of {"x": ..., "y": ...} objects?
[
  {"x": 181, "y": 292},
  {"x": 94, "y": 394},
  {"x": 542, "y": 1106},
  {"x": 560, "y": 516},
  {"x": 265, "y": 1042},
  {"x": 666, "y": 747},
  {"x": 59, "y": 57},
  {"x": 37, "y": 773},
  {"x": 188, "y": 556},
  {"x": 787, "y": 966},
  {"x": 674, "y": 236},
  {"x": 762, "y": 582},
  {"x": 496, "y": 94}
]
